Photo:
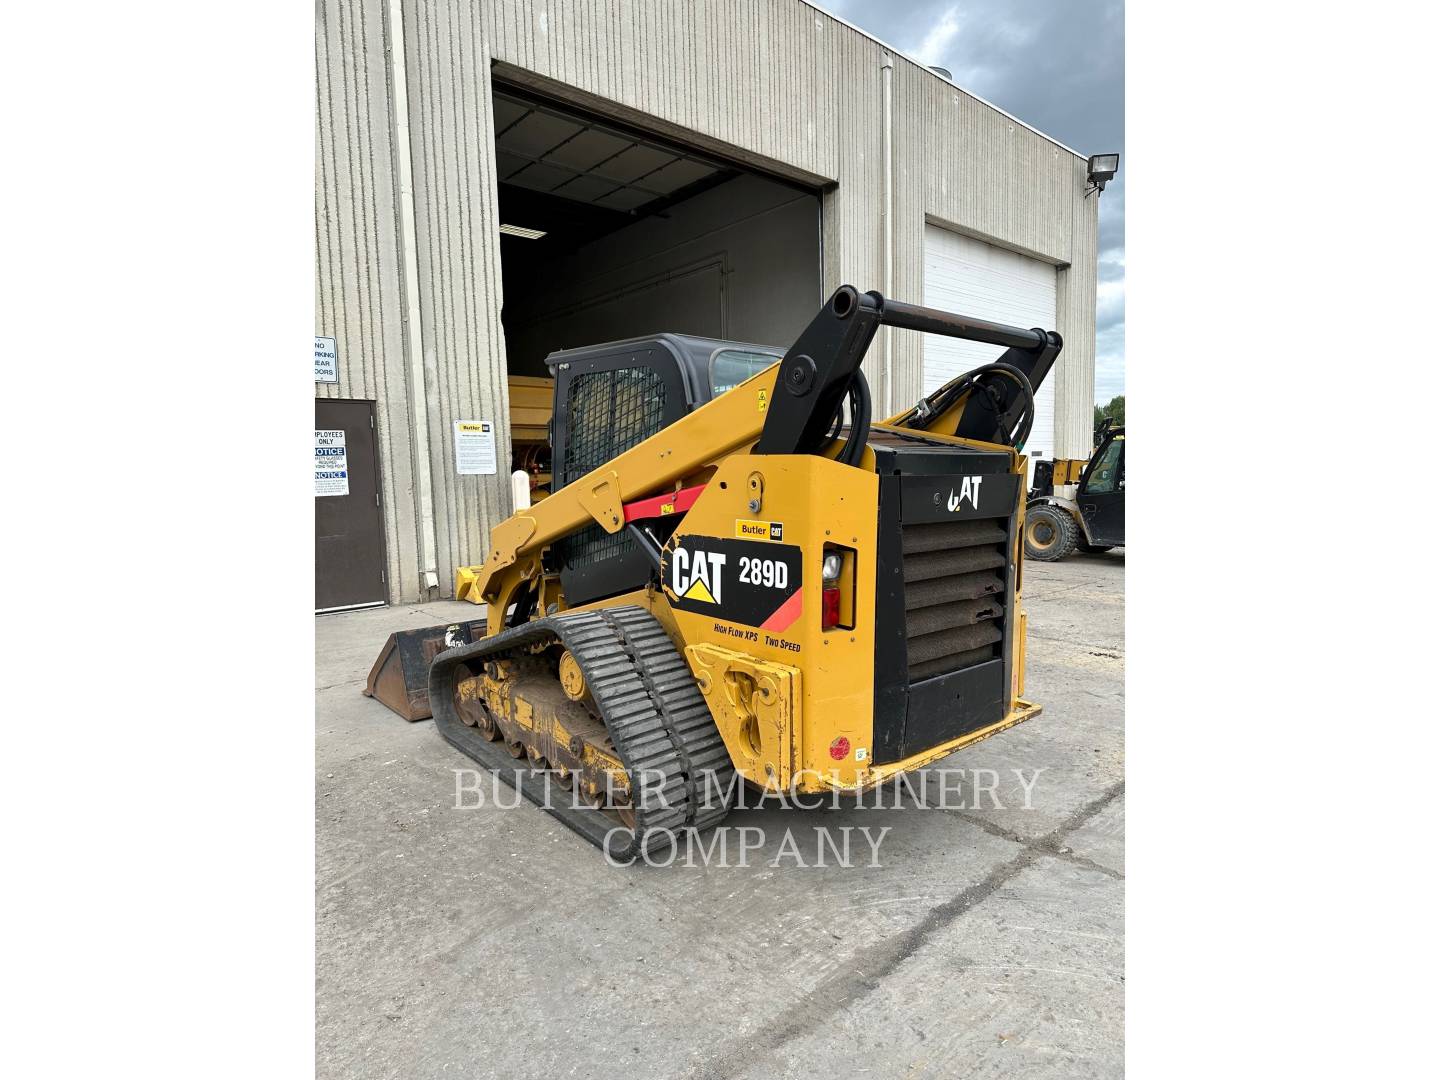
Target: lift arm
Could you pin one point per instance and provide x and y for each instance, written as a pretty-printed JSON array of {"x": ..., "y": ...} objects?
[
  {"x": 805, "y": 390},
  {"x": 819, "y": 369},
  {"x": 721, "y": 427}
]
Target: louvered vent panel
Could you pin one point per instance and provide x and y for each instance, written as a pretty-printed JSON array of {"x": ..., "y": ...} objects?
[{"x": 954, "y": 594}]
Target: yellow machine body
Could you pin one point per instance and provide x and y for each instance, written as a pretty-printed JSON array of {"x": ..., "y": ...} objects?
[
  {"x": 801, "y": 600},
  {"x": 780, "y": 699}
]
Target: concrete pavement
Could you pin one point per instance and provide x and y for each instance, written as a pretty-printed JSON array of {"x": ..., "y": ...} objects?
[{"x": 494, "y": 942}]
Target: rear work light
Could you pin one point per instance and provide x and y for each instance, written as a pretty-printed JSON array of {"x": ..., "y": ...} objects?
[{"x": 837, "y": 589}]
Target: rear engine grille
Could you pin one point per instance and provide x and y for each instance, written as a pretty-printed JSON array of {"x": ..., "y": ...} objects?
[{"x": 954, "y": 594}]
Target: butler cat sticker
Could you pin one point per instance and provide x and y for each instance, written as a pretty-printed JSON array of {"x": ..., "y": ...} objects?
[
  {"x": 759, "y": 530},
  {"x": 751, "y": 582}
]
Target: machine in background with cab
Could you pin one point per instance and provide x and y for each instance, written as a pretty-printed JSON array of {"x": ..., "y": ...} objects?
[{"x": 1078, "y": 504}]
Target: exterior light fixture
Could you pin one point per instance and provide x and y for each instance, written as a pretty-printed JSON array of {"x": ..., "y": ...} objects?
[
  {"x": 1101, "y": 169},
  {"x": 534, "y": 234}
]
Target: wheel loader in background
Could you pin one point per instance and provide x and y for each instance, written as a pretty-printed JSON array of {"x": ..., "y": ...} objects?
[
  {"x": 738, "y": 585},
  {"x": 1078, "y": 504}
]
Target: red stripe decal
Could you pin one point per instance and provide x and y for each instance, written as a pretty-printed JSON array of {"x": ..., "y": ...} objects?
[
  {"x": 785, "y": 614},
  {"x": 677, "y": 501}
]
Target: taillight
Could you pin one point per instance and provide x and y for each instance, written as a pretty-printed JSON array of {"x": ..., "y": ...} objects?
[{"x": 832, "y": 578}]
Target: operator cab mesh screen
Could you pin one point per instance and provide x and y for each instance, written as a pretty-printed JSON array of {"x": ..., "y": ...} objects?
[{"x": 609, "y": 412}]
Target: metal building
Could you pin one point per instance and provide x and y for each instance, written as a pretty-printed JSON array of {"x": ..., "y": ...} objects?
[{"x": 713, "y": 167}]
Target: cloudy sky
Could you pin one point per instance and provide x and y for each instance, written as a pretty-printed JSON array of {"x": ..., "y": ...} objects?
[{"x": 1059, "y": 65}]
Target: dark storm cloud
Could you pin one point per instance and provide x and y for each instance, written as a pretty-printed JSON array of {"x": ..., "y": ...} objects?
[{"x": 1059, "y": 65}]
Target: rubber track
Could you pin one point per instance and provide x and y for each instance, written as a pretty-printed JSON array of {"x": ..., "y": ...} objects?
[{"x": 654, "y": 711}]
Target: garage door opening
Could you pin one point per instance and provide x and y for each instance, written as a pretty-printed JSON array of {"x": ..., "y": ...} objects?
[
  {"x": 609, "y": 232},
  {"x": 970, "y": 277}
]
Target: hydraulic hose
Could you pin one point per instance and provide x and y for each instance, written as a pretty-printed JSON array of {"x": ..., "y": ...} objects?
[
  {"x": 859, "y": 394},
  {"x": 1021, "y": 435},
  {"x": 970, "y": 382}
]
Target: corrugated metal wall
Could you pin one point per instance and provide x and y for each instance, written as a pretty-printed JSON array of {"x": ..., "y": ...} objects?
[
  {"x": 358, "y": 290},
  {"x": 452, "y": 146},
  {"x": 776, "y": 83}
]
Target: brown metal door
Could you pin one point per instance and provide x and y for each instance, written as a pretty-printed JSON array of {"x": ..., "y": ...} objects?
[{"x": 349, "y": 535}]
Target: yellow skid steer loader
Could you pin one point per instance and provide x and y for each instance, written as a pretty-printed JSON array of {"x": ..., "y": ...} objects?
[{"x": 739, "y": 578}]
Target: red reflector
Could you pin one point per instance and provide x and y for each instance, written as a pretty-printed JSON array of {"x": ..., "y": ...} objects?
[
  {"x": 840, "y": 748},
  {"x": 829, "y": 607}
]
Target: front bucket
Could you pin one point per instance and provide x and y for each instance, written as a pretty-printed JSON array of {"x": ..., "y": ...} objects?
[{"x": 400, "y": 679}]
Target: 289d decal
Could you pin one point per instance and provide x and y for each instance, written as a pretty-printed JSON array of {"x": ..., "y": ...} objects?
[
  {"x": 754, "y": 583},
  {"x": 771, "y": 573}
]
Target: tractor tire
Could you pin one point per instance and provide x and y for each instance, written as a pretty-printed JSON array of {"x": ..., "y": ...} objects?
[
  {"x": 1096, "y": 549},
  {"x": 1050, "y": 533}
]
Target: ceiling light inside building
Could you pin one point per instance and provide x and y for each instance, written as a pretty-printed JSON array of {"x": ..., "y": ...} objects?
[{"x": 522, "y": 232}]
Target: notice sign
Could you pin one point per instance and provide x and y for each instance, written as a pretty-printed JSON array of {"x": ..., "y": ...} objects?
[
  {"x": 474, "y": 448},
  {"x": 327, "y": 363},
  {"x": 332, "y": 474}
]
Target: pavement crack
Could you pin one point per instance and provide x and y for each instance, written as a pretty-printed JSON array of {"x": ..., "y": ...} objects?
[
  {"x": 839, "y": 991},
  {"x": 1113, "y": 646},
  {"x": 1088, "y": 864},
  {"x": 342, "y": 682},
  {"x": 1058, "y": 590},
  {"x": 1045, "y": 845}
]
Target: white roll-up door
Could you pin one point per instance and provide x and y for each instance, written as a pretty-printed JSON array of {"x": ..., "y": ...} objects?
[{"x": 969, "y": 277}]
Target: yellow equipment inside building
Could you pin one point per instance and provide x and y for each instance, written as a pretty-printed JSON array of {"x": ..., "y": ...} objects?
[
  {"x": 761, "y": 586},
  {"x": 530, "y": 399}
]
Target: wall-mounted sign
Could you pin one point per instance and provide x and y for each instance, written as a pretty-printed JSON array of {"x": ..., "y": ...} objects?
[
  {"x": 474, "y": 448},
  {"x": 327, "y": 363},
  {"x": 332, "y": 474}
]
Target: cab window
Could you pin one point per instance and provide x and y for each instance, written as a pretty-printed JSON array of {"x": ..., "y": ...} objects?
[
  {"x": 731, "y": 367},
  {"x": 1105, "y": 477}
]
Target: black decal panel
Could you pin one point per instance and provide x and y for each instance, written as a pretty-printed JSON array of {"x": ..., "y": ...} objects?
[
  {"x": 754, "y": 583},
  {"x": 958, "y": 498}
]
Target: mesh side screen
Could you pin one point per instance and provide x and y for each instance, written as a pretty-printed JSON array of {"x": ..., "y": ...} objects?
[{"x": 609, "y": 412}]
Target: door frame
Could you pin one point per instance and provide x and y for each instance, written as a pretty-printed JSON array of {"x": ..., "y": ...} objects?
[{"x": 379, "y": 512}]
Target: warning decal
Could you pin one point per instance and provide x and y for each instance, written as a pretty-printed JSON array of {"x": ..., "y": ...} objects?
[
  {"x": 754, "y": 583},
  {"x": 332, "y": 472}
]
